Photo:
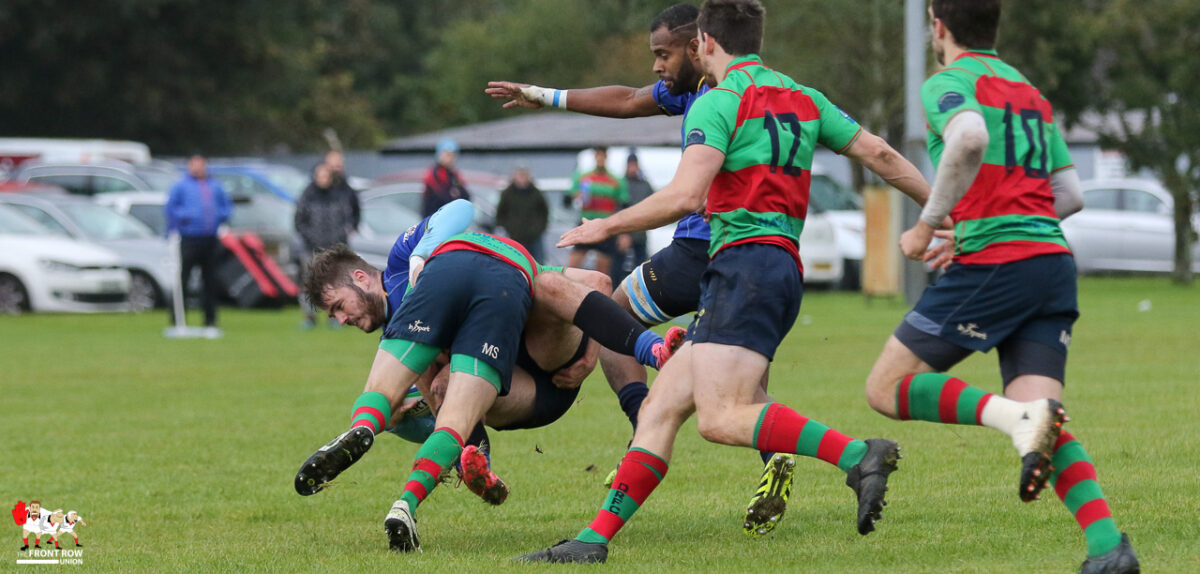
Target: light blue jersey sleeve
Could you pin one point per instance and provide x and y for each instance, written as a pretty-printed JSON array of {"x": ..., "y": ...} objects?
[{"x": 453, "y": 218}]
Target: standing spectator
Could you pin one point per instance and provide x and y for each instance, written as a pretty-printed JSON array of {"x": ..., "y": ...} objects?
[
  {"x": 639, "y": 189},
  {"x": 196, "y": 211},
  {"x": 325, "y": 216},
  {"x": 443, "y": 184},
  {"x": 600, "y": 195},
  {"x": 341, "y": 184},
  {"x": 523, "y": 212}
]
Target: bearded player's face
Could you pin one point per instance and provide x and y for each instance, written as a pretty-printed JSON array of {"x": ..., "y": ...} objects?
[{"x": 673, "y": 61}]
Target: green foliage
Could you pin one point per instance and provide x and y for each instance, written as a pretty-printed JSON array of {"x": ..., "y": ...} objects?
[{"x": 180, "y": 454}]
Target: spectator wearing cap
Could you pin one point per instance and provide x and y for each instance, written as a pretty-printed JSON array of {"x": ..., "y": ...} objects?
[
  {"x": 443, "y": 184},
  {"x": 523, "y": 212}
]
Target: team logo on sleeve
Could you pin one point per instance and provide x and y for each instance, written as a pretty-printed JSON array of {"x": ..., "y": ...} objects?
[
  {"x": 696, "y": 136},
  {"x": 949, "y": 101},
  {"x": 409, "y": 233}
]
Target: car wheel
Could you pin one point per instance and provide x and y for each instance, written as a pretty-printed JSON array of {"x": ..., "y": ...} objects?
[
  {"x": 13, "y": 297},
  {"x": 851, "y": 275},
  {"x": 143, "y": 292}
]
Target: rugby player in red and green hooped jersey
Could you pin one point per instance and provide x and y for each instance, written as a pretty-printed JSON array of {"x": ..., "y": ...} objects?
[
  {"x": 751, "y": 139},
  {"x": 600, "y": 195},
  {"x": 1005, "y": 178}
]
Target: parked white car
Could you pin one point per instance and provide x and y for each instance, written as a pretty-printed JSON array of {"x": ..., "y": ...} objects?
[
  {"x": 1125, "y": 225},
  {"x": 40, "y": 271},
  {"x": 152, "y": 266}
]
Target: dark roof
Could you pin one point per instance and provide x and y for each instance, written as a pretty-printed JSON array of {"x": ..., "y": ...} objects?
[{"x": 548, "y": 131}]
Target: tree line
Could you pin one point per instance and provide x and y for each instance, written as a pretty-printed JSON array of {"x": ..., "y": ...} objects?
[{"x": 258, "y": 76}]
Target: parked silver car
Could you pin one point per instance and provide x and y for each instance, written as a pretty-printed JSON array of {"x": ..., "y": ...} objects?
[
  {"x": 150, "y": 262},
  {"x": 1125, "y": 225}
]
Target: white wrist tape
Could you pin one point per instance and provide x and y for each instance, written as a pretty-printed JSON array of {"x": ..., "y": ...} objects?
[{"x": 547, "y": 96}]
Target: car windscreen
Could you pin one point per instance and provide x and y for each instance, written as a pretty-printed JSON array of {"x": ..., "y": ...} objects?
[
  {"x": 152, "y": 215},
  {"x": 102, "y": 223},
  {"x": 16, "y": 223},
  {"x": 388, "y": 218},
  {"x": 826, "y": 194},
  {"x": 288, "y": 179},
  {"x": 159, "y": 179}
]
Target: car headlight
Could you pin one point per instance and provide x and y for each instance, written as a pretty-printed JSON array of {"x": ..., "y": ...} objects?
[{"x": 58, "y": 266}]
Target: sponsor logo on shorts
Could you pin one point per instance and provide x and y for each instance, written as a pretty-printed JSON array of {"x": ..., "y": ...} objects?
[
  {"x": 418, "y": 327},
  {"x": 1064, "y": 338},
  {"x": 972, "y": 331},
  {"x": 491, "y": 350}
]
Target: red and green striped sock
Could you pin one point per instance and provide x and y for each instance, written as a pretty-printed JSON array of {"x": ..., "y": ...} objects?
[
  {"x": 371, "y": 410},
  {"x": 1074, "y": 481},
  {"x": 781, "y": 429},
  {"x": 637, "y": 476},
  {"x": 940, "y": 398},
  {"x": 440, "y": 450}
]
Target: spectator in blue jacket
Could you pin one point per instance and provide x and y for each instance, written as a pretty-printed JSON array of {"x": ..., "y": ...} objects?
[{"x": 196, "y": 211}]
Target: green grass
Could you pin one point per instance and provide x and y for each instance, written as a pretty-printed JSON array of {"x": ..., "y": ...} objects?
[{"x": 180, "y": 454}]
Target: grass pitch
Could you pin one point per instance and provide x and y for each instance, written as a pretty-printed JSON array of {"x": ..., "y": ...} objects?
[{"x": 180, "y": 454}]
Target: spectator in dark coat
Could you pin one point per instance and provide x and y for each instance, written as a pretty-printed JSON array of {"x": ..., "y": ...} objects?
[
  {"x": 325, "y": 216},
  {"x": 443, "y": 184},
  {"x": 523, "y": 212},
  {"x": 337, "y": 166}
]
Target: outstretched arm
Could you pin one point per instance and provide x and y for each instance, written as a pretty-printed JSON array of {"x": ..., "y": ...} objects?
[
  {"x": 686, "y": 193},
  {"x": 606, "y": 101},
  {"x": 875, "y": 153}
]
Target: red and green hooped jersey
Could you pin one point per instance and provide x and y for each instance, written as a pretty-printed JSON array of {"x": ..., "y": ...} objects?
[
  {"x": 603, "y": 194},
  {"x": 501, "y": 248},
  {"x": 1008, "y": 212},
  {"x": 767, "y": 126}
]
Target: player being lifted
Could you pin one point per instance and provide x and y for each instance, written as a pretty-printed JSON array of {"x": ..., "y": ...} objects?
[
  {"x": 749, "y": 147},
  {"x": 668, "y": 285},
  {"x": 1005, "y": 177},
  {"x": 354, "y": 293}
]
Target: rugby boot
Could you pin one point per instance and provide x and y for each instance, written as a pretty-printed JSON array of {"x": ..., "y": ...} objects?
[
  {"x": 672, "y": 341},
  {"x": 401, "y": 529},
  {"x": 768, "y": 505},
  {"x": 569, "y": 551},
  {"x": 1034, "y": 438},
  {"x": 1119, "y": 560},
  {"x": 478, "y": 476},
  {"x": 333, "y": 458},
  {"x": 869, "y": 479}
]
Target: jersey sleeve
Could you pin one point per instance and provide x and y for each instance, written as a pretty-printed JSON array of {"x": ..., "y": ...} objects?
[
  {"x": 668, "y": 104},
  {"x": 838, "y": 129},
  {"x": 1060, "y": 157},
  {"x": 712, "y": 120},
  {"x": 944, "y": 96}
]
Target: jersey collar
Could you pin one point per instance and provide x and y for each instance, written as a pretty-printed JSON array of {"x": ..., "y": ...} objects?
[
  {"x": 977, "y": 54},
  {"x": 743, "y": 62}
]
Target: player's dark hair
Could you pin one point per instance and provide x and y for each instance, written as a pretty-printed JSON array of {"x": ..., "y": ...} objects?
[
  {"x": 679, "y": 19},
  {"x": 972, "y": 22},
  {"x": 737, "y": 25},
  {"x": 330, "y": 269}
]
